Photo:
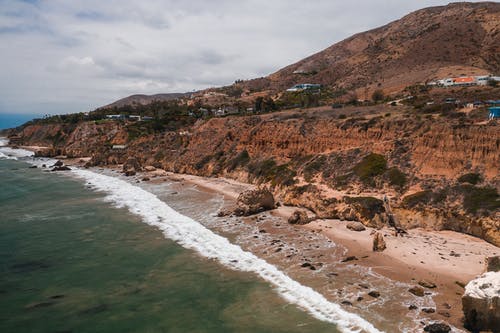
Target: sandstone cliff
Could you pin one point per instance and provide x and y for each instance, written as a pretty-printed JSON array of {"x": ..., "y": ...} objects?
[{"x": 321, "y": 162}]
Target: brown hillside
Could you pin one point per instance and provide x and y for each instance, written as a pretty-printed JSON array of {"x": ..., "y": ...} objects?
[{"x": 435, "y": 42}]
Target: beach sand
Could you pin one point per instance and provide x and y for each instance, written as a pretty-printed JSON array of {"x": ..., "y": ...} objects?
[{"x": 445, "y": 258}]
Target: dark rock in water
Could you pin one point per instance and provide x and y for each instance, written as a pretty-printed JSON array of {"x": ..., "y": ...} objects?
[
  {"x": 254, "y": 201},
  {"x": 312, "y": 268},
  {"x": 346, "y": 303},
  {"x": 94, "y": 310},
  {"x": 374, "y": 294},
  {"x": 359, "y": 299},
  {"x": 61, "y": 168},
  {"x": 427, "y": 284},
  {"x": 417, "y": 291},
  {"x": 306, "y": 264},
  {"x": 56, "y": 296},
  {"x": 145, "y": 179},
  {"x": 33, "y": 167},
  {"x": 44, "y": 165},
  {"x": 350, "y": 258},
  {"x": 58, "y": 164},
  {"x": 299, "y": 217},
  {"x": 437, "y": 328},
  {"x": 28, "y": 266},
  {"x": 37, "y": 305},
  {"x": 428, "y": 310},
  {"x": 412, "y": 307}
]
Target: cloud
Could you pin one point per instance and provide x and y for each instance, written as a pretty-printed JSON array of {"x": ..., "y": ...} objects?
[{"x": 65, "y": 56}]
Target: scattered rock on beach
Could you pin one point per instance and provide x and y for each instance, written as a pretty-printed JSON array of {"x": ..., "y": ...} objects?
[
  {"x": 374, "y": 294},
  {"x": 427, "y": 284},
  {"x": 355, "y": 226},
  {"x": 350, "y": 258},
  {"x": 428, "y": 310},
  {"x": 129, "y": 173},
  {"x": 149, "y": 168},
  {"x": 378, "y": 242},
  {"x": 131, "y": 165},
  {"x": 254, "y": 201},
  {"x": 299, "y": 217},
  {"x": 417, "y": 291},
  {"x": 437, "y": 328}
]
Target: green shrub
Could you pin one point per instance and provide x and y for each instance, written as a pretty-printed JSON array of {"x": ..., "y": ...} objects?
[
  {"x": 370, "y": 166},
  {"x": 313, "y": 167},
  {"x": 240, "y": 160},
  {"x": 471, "y": 178},
  {"x": 412, "y": 200},
  {"x": 269, "y": 171},
  {"x": 396, "y": 177},
  {"x": 480, "y": 198}
]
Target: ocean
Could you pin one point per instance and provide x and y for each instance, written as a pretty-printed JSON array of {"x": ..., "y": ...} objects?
[
  {"x": 91, "y": 250},
  {"x": 11, "y": 120},
  {"x": 71, "y": 261}
]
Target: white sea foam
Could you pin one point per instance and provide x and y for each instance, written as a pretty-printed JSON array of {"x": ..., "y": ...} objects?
[
  {"x": 192, "y": 235},
  {"x": 11, "y": 153},
  {"x": 4, "y": 141}
]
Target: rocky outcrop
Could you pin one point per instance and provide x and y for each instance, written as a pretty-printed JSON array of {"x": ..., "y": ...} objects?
[
  {"x": 481, "y": 302},
  {"x": 378, "y": 242},
  {"x": 299, "y": 217},
  {"x": 254, "y": 201},
  {"x": 131, "y": 165}
]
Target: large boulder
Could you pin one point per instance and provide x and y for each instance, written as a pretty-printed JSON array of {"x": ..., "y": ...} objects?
[
  {"x": 254, "y": 201},
  {"x": 481, "y": 303},
  {"x": 299, "y": 217},
  {"x": 378, "y": 242},
  {"x": 355, "y": 226},
  {"x": 131, "y": 164}
]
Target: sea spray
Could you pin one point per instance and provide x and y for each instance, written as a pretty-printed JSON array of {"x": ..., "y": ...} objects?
[{"x": 192, "y": 235}]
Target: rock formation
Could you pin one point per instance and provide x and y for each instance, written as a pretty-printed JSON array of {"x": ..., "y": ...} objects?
[
  {"x": 254, "y": 201},
  {"x": 355, "y": 226},
  {"x": 481, "y": 302},
  {"x": 299, "y": 217},
  {"x": 378, "y": 242}
]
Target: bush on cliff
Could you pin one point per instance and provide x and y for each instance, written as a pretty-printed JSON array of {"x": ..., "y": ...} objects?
[
  {"x": 240, "y": 160},
  {"x": 396, "y": 178},
  {"x": 480, "y": 199},
  {"x": 313, "y": 167},
  {"x": 268, "y": 171},
  {"x": 370, "y": 166},
  {"x": 471, "y": 178}
]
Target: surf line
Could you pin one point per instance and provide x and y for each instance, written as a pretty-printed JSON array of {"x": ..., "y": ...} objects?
[{"x": 194, "y": 236}]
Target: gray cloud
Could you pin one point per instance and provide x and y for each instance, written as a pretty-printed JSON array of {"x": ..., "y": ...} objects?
[{"x": 66, "y": 56}]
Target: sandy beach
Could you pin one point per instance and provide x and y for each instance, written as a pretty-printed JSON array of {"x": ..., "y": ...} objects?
[{"x": 445, "y": 258}]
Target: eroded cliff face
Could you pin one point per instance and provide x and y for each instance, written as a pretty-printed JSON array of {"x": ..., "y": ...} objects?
[{"x": 310, "y": 160}]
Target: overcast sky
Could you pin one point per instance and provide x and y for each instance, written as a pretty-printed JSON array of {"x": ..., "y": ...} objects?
[{"x": 62, "y": 56}]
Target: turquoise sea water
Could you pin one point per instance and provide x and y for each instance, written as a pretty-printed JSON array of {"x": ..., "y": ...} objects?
[
  {"x": 70, "y": 262},
  {"x": 9, "y": 120}
]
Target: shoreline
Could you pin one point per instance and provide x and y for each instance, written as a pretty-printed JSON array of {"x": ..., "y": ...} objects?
[
  {"x": 408, "y": 259},
  {"x": 447, "y": 259}
]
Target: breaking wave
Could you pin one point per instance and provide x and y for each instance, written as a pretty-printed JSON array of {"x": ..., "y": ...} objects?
[{"x": 192, "y": 235}]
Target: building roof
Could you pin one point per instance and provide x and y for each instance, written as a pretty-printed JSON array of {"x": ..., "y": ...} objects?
[{"x": 465, "y": 79}]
